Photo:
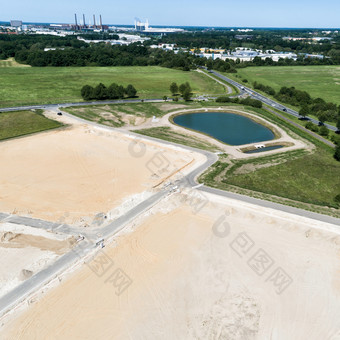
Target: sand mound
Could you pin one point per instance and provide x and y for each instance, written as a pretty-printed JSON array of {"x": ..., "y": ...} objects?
[
  {"x": 7, "y": 236},
  {"x": 25, "y": 274}
]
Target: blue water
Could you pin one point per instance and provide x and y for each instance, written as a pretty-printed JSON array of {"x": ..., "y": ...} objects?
[
  {"x": 267, "y": 148},
  {"x": 228, "y": 128}
]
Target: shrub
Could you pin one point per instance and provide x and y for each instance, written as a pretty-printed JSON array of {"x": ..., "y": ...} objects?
[
  {"x": 312, "y": 127},
  {"x": 337, "y": 198},
  {"x": 223, "y": 99},
  {"x": 323, "y": 131},
  {"x": 337, "y": 153}
]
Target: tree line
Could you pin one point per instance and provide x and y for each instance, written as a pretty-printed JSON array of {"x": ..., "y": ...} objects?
[
  {"x": 183, "y": 89},
  {"x": 101, "y": 92},
  {"x": 246, "y": 101},
  {"x": 324, "y": 111}
]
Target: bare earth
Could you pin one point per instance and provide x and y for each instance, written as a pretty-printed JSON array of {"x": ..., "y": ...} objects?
[
  {"x": 196, "y": 278},
  {"x": 78, "y": 172},
  {"x": 24, "y": 251}
]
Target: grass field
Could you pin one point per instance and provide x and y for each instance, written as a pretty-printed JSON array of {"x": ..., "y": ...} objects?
[
  {"x": 310, "y": 178},
  {"x": 318, "y": 81},
  {"x": 47, "y": 85},
  {"x": 20, "y": 123}
]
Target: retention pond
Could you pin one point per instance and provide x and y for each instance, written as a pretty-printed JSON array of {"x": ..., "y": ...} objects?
[{"x": 229, "y": 128}]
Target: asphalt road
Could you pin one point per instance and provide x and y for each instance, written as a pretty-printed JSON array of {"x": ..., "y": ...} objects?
[
  {"x": 255, "y": 95},
  {"x": 53, "y": 106}
]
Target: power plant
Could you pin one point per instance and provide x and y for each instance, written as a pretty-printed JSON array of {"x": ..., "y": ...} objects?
[{"x": 84, "y": 26}]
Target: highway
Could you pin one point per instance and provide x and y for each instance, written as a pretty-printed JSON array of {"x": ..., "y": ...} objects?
[{"x": 255, "y": 95}]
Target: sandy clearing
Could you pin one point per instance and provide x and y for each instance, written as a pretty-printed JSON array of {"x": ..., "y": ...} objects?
[
  {"x": 78, "y": 172},
  {"x": 24, "y": 248},
  {"x": 190, "y": 284}
]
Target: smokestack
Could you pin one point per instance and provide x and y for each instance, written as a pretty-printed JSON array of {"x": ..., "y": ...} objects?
[
  {"x": 84, "y": 21},
  {"x": 75, "y": 18},
  {"x": 94, "y": 21},
  {"x": 101, "y": 24}
]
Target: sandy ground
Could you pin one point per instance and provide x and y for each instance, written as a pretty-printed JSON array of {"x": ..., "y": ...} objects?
[
  {"x": 69, "y": 175},
  {"x": 24, "y": 251},
  {"x": 217, "y": 274}
]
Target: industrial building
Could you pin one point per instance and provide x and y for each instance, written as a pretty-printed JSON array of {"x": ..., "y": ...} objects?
[{"x": 145, "y": 28}]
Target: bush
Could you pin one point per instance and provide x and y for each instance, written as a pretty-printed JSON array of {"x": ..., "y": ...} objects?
[
  {"x": 337, "y": 198},
  {"x": 323, "y": 131},
  {"x": 223, "y": 99},
  {"x": 130, "y": 91},
  {"x": 335, "y": 139},
  {"x": 312, "y": 127},
  {"x": 251, "y": 102},
  {"x": 337, "y": 153}
]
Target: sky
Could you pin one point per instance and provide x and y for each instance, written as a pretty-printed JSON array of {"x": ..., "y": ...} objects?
[{"x": 222, "y": 13}]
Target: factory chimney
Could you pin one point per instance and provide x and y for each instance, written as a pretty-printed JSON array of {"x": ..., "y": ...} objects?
[
  {"x": 101, "y": 24},
  {"x": 84, "y": 24},
  {"x": 75, "y": 18},
  {"x": 94, "y": 21}
]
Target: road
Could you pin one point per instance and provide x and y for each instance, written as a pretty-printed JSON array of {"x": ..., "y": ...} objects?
[
  {"x": 53, "y": 106},
  {"x": 228, "y": 88},
  {"x": 20, "y": 293},
  {"x": 255, "y": 95},
  {"x": 85, "y": 247}
]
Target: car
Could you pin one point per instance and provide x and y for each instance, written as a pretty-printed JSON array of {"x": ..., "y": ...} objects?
[
  {"x": 284, "y": 109},
  {"x": 59, "y": 113}
]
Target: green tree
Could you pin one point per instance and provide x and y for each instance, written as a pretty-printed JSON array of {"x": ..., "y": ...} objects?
[
  {"x": 87, "y": 92},
  {"x": 184, "y": 88},
  {"x": 304, "y": 111},
  {"x": 337, "y": 198},
  {"x": 120, "y": 91},
  {"x": 174, "y": 88},
  {"x": 187, "y": 95},
  {"x": 322, "y": 117},
  {"x": 337, "y": 153},
  {"x": 338, "y": 123},
  {"x": 130, "y": 91},
  {"x": 323, "y": 131},
  {"x": 100, "y": 92},
  {"x": 112, "y": 91}
]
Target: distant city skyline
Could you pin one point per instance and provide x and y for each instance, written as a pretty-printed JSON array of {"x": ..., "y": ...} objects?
[{"x": 218, "y": 13}]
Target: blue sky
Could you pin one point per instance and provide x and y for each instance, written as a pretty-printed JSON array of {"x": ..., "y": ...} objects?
[{"x": 225, "y": 13}]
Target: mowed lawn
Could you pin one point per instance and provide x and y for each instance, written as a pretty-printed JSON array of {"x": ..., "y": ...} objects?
[
  {"x": 20, "y": 123},
  {"x": 318, "y": 81},
  {"x": 47, "y": 85}
]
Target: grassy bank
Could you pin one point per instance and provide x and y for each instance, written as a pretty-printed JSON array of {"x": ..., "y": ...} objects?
[
  {"x": 20, "y": 123},
  {"x": 166, "y": 133},
  {"x": 312, "y": 178},
  {"x": 318, "y": 81},
  {"x": 46, "y": 85}
]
